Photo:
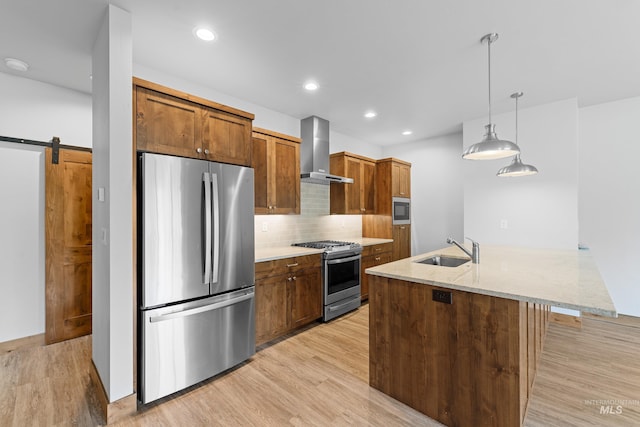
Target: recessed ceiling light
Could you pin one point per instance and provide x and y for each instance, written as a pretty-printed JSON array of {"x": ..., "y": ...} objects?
[
  {"x": 311, "y": 86},
  {"x": 16, "y": 64},
  {"x": 370, "y": 114},
  {"x": 204, "y": 34},
  {"x": 407, "y": 132}
]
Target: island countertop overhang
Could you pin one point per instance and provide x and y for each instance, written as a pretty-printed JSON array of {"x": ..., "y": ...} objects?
[{"x": 557, "y": 277}]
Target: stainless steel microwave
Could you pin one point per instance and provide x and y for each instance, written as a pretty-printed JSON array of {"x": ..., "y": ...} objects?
[{"x": 401, "y": 210}]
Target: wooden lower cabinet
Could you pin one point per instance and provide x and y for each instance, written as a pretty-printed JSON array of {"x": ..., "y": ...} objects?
[
  {"x": 372, "y": 256},
  {"x": 288, "y": 295},
  {"x": 467, "y": 363},
  {"x": 306, "y": 297}
]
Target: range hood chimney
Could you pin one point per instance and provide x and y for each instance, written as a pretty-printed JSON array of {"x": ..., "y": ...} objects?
[{"x": 314, "y": 152}]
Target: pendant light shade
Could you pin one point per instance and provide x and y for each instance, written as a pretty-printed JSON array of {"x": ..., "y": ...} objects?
[
  {"x": 517, "y": 168},
  {"x": 491, "y": 147}
]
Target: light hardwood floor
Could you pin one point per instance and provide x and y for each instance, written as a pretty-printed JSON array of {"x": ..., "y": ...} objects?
[{"x": 319, "y": 376}]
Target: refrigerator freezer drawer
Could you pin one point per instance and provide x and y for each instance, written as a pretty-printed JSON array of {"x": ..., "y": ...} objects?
[{"x": 185, "y": 344}]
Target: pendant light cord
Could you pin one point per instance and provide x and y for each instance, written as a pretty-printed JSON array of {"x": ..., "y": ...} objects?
[
  {"x": 489, "y": 62},
  {"x": 517, "y": 120}
]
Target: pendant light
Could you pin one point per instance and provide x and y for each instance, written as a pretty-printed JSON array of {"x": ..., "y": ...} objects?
[
  {"x": 517, "y": 168},
  {"x": 491, "y": 147}
]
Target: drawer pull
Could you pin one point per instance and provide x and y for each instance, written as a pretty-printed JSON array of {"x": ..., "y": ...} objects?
[
  {"x": 378, "y": 249},
  {"x": 377, "y": 258},
  {"x": 295, "y": 264}
]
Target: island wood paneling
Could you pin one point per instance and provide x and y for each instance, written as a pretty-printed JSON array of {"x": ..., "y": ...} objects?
[{"x": 458, "y": 363}]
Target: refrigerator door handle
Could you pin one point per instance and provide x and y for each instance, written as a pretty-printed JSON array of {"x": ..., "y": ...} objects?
[
  {"x": 204, "y": 308},
  {"x": 207, "y": 227},
  {"x": 216, "y": 227}
]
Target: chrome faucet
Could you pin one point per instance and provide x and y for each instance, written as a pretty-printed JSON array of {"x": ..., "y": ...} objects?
[{"x": 474, "y": 255}]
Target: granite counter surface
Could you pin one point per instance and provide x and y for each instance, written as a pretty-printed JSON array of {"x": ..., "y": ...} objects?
[
  {"x": 280, "y": 252},
  {"x": 561, "y": 278}
]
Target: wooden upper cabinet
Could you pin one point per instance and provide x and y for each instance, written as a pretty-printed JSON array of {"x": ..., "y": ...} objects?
[
  {"x": 356, "y": 198},
  {"x": 226, "y": 138},
  {"x": 393, "y": 179},
  {"x": 353, "y": 191},
  {"x": 368, "y": 187},
  {"x": 276, "y": 161},
  {"x": 166, "y": 124},
  {"x": 400, "y": 179},
  {"x": 260, "y": 175},
  {"x": 168, "y": 121}
]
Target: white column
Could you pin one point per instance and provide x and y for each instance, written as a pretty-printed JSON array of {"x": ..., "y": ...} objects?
[{"x": 113, "y": 303}]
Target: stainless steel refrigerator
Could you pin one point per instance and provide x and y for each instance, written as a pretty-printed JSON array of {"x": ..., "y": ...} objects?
[{"x": 196, "y": 271}]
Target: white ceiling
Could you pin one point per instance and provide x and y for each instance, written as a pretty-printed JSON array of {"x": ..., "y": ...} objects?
[{"x": 418, "y": 63}]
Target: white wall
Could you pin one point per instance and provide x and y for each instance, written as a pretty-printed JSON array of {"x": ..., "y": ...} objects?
[
  {"x": 21, "y": 241},
  {"x": 113, "y": 304},
  {"x": 339, "y": 142},
  {"x": 609, "y": 196},
  {"x": 436, "y": 189},
  {"x": 40, "y": 111},
  {"x": 264, "y": 117},
  {"x": 540, "y": 210}
]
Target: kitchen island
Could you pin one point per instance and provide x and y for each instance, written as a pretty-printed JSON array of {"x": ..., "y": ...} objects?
[{"x": 461, "y": 344}]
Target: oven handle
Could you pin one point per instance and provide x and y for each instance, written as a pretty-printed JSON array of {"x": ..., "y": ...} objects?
[
  {"x": 341, "y": 260},
  {"x": 338, "y": 307}
]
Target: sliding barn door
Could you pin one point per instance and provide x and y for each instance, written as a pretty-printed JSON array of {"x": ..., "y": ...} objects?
[{"x": 68, "y": 245}]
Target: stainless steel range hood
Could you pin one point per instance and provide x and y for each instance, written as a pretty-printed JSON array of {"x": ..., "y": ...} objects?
[{"x": 314, "y": 152}]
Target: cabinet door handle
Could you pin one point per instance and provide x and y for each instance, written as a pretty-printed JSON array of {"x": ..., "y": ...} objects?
[
  {"x": 206, "y": 151},
  {"x": 295, "y": 278},
  {"x": 198, "y": 150},
  {"x": 295, "y": 264},
  {"x": 289, "y": 279}
]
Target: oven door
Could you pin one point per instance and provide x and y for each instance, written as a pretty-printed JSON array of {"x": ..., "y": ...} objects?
[{"x": 341, "y": 278}]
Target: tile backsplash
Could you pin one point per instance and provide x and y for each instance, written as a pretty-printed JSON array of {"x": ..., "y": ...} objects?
[{"x": 313, "y": 223}]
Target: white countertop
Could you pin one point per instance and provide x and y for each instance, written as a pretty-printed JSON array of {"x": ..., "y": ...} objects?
[
  {"x": 561, "y": 278},
  {"x": 280, "y": 252}
]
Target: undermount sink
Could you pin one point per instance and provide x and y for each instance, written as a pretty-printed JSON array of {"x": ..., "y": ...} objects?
[{"x": 444, "y": 261}]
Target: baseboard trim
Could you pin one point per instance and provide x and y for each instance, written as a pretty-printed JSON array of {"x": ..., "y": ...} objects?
[
  {"x": 111, "y": 412},
  {"x": 21, "y": 344},
  {"x": 566, "y": 320}
]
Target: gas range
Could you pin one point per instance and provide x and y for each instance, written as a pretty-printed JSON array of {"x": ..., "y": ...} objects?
[
  {"x": 340, "y": 276},
  {"x": 333, "y": 248}
]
